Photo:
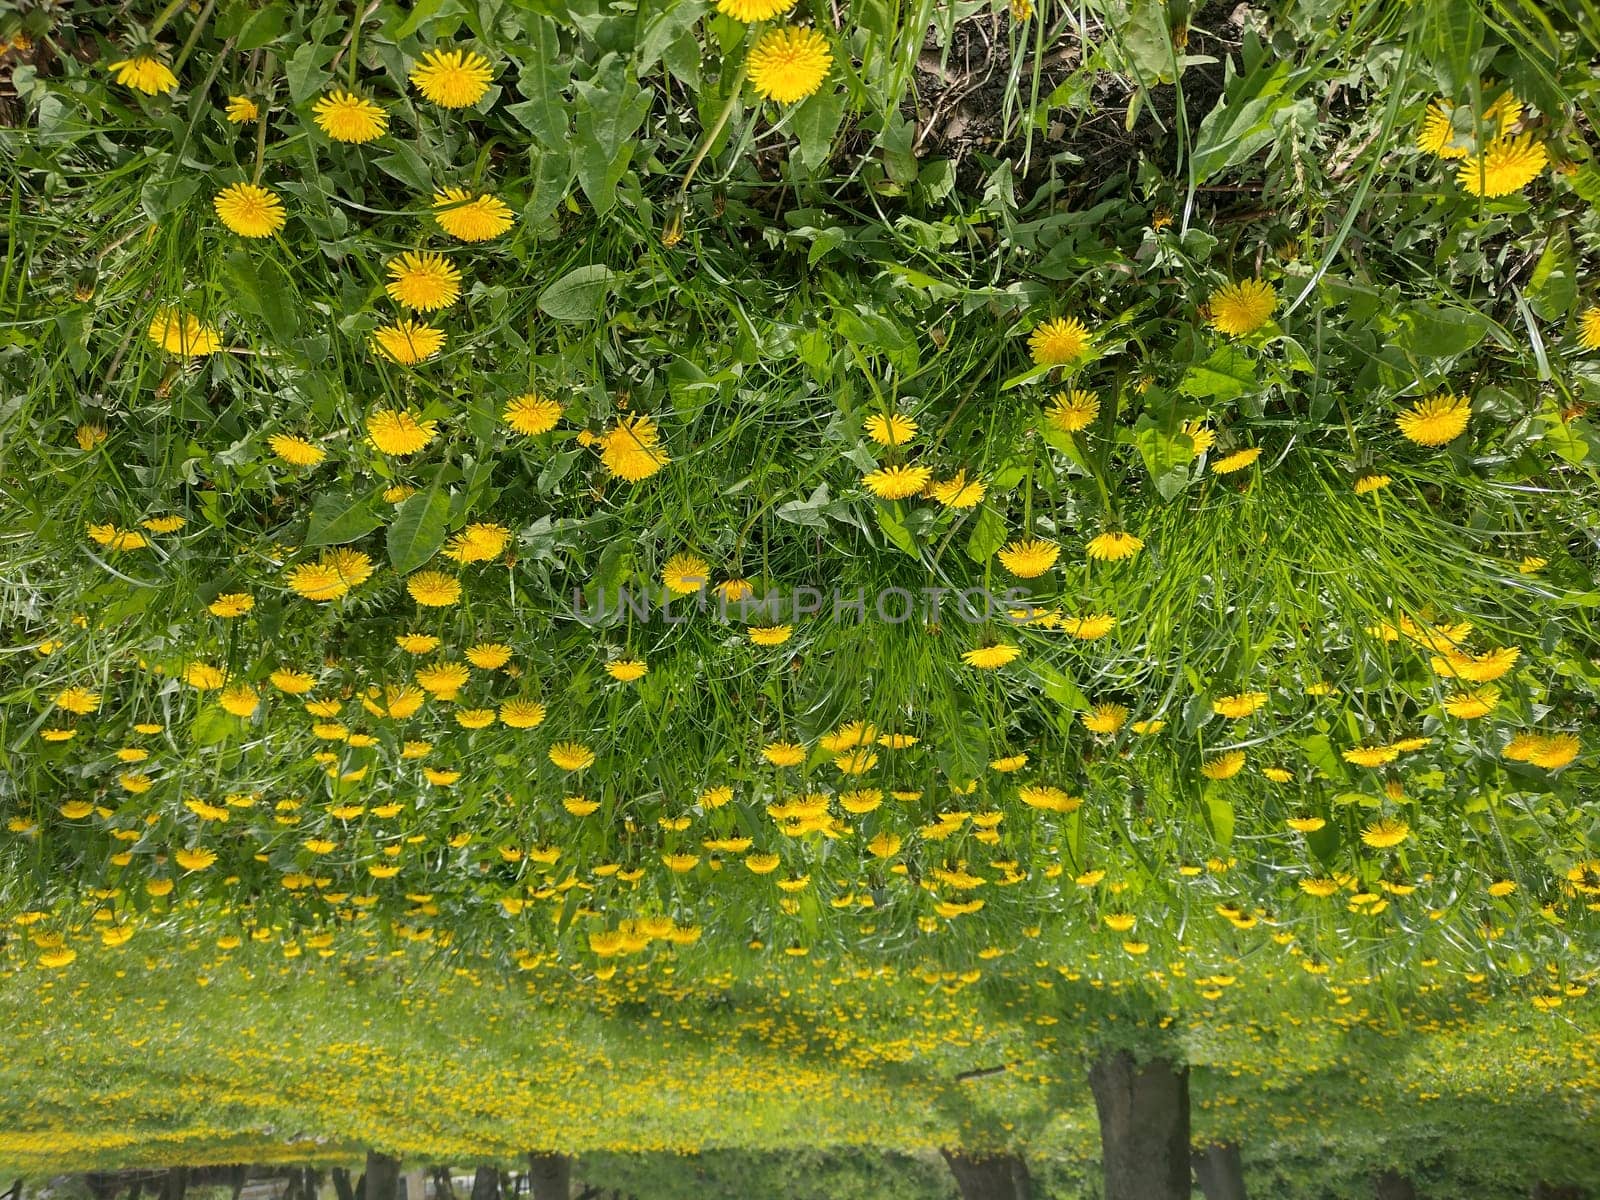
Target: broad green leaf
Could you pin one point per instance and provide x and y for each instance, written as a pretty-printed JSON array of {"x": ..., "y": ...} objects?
[
  {"x": 1241, "y": 123},
  {"x": 1219, "y": 816},
  {"x": 1324, "y": 843},
  {"x": 1452, "y": 36},
  {"x": 807, "y": 512},
  {"x": 988, "y": 535},
  {"x": 608, "y": 116},
  {"x": 1167, "y": 453},
  {"x": 897, "y": 532},
  {"x": 259, "y": 288},
  {"x": 1147, "y": 42},
  {"x": 1226, "y": 375},
  {"x": 418, "y": 529},
  {"x": 1553, "y": 288},
  {"x": 1431, "y": 331},
  {"x": 337, "y": 518},
  {"x": 212, "y": 725},
  {"x": 816, "y": 119},
  {"x": 579, "y": 295},
  {"x": 1056, "y": 684}
]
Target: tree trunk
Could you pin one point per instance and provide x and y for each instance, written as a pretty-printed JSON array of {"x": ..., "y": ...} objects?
[
  {"x": 341, "y": 1185},
  {"x": 237, "y": 1176},
  {"x": 1144, "y": 1127},
  {"x": 549, "y": 1175},
  {"x": 1220, "y": 1171},
  {"x": 998, "y": 1177},
  {"x": 176, "y": 1183},
  {"x": 382, "y": 1178},
  {"x": 486, "y": 1184},
  {"x": 1392, "y": 1185}
]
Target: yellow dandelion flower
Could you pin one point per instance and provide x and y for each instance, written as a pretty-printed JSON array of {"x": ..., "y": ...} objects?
[
  {"x": 1385, "y": 833},
  {"x": 531, "y": 414},
  {"x": 434, "y": 589},
  {"x": 423, "y": 280},
  {"x": 631, "y": 449},
  {"x": 469, "y": 218},
  {"x": 522, "y": 713},
  {"x": 1088, "y": 628},
  {"x": 897, "y": 482},
  {"x": 1589, "y": 328},
  {"x": 892, "y": 429},
  {"x": 144, "y": 73},
  {"x": 408, "y": 342},
  {"x": 992, "y": 657},
  {"x": 1436, "y": 421},
  {"x": 1031, "y": 558},
  {"x": 1238, "y": 705},
  {"x": 480, "y": 541},
  {"x": 1476, "y": 668},
  {"x": 1237, "y": 461},
  {"x": 1073, "y": 411},
  {"x": 397, "y": 432},
  {"x": 486, "y": 656},
  {"x": 194, "y": 858},
  {"x": 331, "y": 576},
  {"x": 231, "y": 604},
  {"x": 296, "y": 451},
  {"x": 291, "y": 682},
  {"x": 80, "y": 701},
  {"x": 241, "y": 700},
  {"x": 751, "y": 11},
  {"x": 1242, "y": 308},
  {"x": 627, "y": 670},
  {"x": 571, "y": 756},
  {"x": 241, "y": 109},
  {"x": 452, "y": 78},
  {"x": 1058, "y": 341},
  {"x": 956, "y": 492},
  {"x": 1223, "y": 766},
  {"x": 184, "y": 334},
  {"x": 784, "y": 754},
  {"x": 789, "y": 64},
  {"x": 249, "y": 209},
  {"x": 1114, "y": 546},
  {"x": 685, "y": 574},
  {"x": 475, "y": 718},
  {"x": 770, "y": 635},
  {"x": 346, "y": 117},
  {"x": 1105, "y": 718},
  {"x": 1371, "y": 481},
  {"x": 1507, "y": 165},
  {"x": 1469, "y": 705}
]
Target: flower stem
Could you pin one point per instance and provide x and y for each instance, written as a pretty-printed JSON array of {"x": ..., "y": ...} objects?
[{"x": 716, "y": 128}]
